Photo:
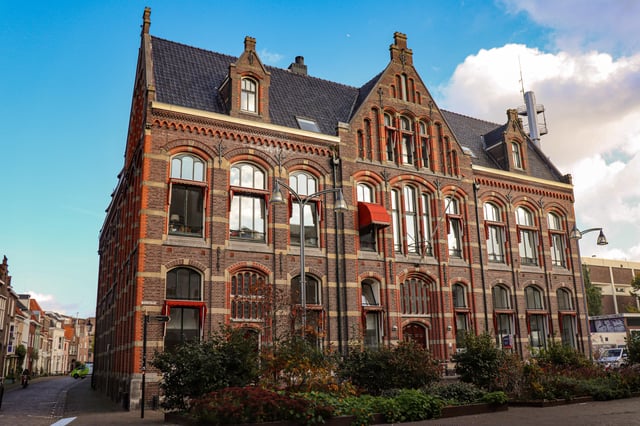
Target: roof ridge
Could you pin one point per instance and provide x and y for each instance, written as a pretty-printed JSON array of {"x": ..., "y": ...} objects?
[{"x": 470, "y": 117}]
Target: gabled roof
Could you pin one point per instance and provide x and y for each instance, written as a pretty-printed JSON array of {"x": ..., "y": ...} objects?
[{"x": 191, "y": 77}]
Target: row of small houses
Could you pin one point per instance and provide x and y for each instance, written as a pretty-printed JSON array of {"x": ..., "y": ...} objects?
[{"x": 44, "y": 342}]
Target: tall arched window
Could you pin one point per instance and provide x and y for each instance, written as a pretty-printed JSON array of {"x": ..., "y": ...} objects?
[
  {"x": 314, "y": 315},
  {"x": 517, "y": 155},
  {"x": 503, "y": 316},
  {"x": 183, "y": 290},
  {"x": 372, "y": 313},
  {"x": 248, "y": 291},
  {"x": 188, "y": 184},
  {"x": 391, "y": 138},
  {"x": 304, "y": 184},
  {"x": 411, "y": 220},
  {"x": 249, "y": 95},
  {"x": 248, "y": 207},
  {"x": 567, "y": 317},
  {"x": 557, "y": 240},
  {"x": 527, "y": 236},
  {"x": 408, "y": 149},
  {"x": 414, "y": 296},
  {"x": 537, "y": 321},
  {"x": 425, "y": 146},
  {"x": 454, "y": 221},
  {"x": 461, "y": 308},
  {"x": 494, "y": 228}
]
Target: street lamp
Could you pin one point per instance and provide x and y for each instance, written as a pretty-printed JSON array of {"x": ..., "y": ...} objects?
[
  {"x": 340, "y": 206},
  {"x": 576, "y": 234},
  {"x": 146, "y": 318}
]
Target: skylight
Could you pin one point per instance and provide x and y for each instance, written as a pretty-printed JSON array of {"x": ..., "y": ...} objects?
[{"x": 308, "y": 124}]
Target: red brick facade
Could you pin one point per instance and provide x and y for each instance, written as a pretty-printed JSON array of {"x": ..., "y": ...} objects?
[{"x": 404, "y": 275}]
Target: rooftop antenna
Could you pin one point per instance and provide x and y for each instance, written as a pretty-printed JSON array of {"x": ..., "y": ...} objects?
[{"x": 536, "y": 124}]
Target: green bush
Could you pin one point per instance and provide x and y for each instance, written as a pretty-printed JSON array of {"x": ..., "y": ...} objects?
[
  {"x": 480, "y": 361},
  {"x": 197, "y": 368},
  {"x": 415, "y": 405},
  {"x": 405, "y": 366},
  {"x": 497, "y": 398},
  {"x": 633, "y": 346},
  {"x": 560, "y": 355},
  {"x": 456, "y": 393},
  {"x": 256, "y": 405}
]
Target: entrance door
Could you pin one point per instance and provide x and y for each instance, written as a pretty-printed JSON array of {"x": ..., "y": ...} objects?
[{"x": 416, "y": 333}]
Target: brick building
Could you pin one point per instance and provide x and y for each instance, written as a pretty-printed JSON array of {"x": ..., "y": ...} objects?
[{"x": 454, "y": 224}]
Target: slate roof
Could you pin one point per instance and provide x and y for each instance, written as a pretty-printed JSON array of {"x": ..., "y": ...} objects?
[{"x": 190, "y": 77}]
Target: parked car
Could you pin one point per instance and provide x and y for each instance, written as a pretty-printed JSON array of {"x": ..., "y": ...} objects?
[
  {"x": 80, "y": 372},
  {"x": 613, "y": 357}
]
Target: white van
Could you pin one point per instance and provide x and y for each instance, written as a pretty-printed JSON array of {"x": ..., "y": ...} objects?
[{"x": 613, "y": 357}]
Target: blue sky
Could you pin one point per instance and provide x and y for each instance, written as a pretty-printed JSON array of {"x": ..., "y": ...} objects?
[{"x": 67, "y": 79}]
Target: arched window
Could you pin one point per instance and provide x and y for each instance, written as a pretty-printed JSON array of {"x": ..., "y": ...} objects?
[
  {"x": 494, "y": 228},
  {"x": 184, "y": 284},
  {"x": 391, "y": 136},
  {"x": 365, "y": 193},
  {"x": 517, "y": 155},
  {"x": 248, "y": 290},
  {"x": 313, "y": 316},
  {"x": 411, "y": 220},
  {"x": 312, "y": 291},
  {"x": 304, "y": 184},
  {"x": 527, "y": 236},
  {"x": 408, "y": 149},
  {"x": 557, "y": 240},
  {"x": 186, "y": 210},
  {"x": 414, "y": 296},
  {"x": 503, "y": 317},
  {"x": 459, "y": 297},
  {"x": 183, "y": 290},
  {"x": 248, "y": 207},
  {"x": 454, "y": 221},
  {"x": 372, "y": 313},
  {"x": 533, "y": 297},
  {"x": 249, "y": 95},
  {"x": 567, "y": 317},
  {"x": 425, "y": 146}
]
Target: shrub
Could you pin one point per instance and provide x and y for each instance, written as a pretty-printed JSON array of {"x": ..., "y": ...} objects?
[
  {"x": 480, "y": 361},
  {"x": 633, "y": 346},
  {"x": 197, "y": 368},
  {"x": 297, "y": 366},
  {"x": 497, "y": 398},
  {"x": 456, "y": 393},
  {"x": 415, "y": 405},
  {"x": 255, "y": 405},
  {"x": 406, "y": 365},
  {"x": 560, "y": 355}
]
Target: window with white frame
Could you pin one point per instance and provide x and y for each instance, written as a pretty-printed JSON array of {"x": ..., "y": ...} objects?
[
  {"x": 454, "y": 222},
  {"x": 533, "y": 298},
  {"x": 248, "y": 208},
  {"x": 304, "y": 184},
  {"x": 494, "y": 228},
  {"x": 408, "y": 150},
  {"x": 503, "y": 316},
  {"x": 372, "y": 313},
  {"x": 567, "y": 317},
  {"x": 249, "y": 95},
  {"x": 557, "y": 240},
  {"x": 368, "y": 234},
  {"x": 517, "y": 155},
  {"x": 188, "y": 184},
  {"x": 391, "y": 138},
  {"x": 527, "y": 236},
  {"x": 411, "y": 220}
]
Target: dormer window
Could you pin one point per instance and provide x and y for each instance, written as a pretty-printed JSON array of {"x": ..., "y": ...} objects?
[
  {"x": 517, "y": 155},
  {"x": 249, "y": 98}
]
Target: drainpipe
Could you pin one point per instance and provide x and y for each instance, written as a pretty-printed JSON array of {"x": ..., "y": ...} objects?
[{"x": 476, "y": 187}]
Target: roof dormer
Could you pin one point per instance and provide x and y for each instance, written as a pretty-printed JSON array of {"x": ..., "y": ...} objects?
[{"x": 245, "y": 91}]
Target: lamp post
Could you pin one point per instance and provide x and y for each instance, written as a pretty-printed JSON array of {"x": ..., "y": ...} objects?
[
  {"x": 340, "y": 206},
  {"x": 159, "y": 318},
  {"x": 576, "y": 234}
]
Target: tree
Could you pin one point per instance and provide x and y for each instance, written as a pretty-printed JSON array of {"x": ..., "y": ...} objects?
[
  {"x": 480, "y": 362},
  {"x": 593, "y": 294},
  {"x": 635, "y": 286}
]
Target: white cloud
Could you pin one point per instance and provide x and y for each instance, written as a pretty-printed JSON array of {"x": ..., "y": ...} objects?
[
  {"x": 269, "y": 57},
  {"x": 578, "y": 25},
  {"x": 593, "y": 118}
]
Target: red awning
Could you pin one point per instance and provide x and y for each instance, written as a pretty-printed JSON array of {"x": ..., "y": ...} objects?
[{"x": 372, "y": 214}]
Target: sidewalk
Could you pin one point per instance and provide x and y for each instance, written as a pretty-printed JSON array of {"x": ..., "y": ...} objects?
[{"x": 90, "y": 407}]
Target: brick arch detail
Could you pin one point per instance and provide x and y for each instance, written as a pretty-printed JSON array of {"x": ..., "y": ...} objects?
[
  {"x": 240, "y": 266},
  {"x": 176, "y": 146},
  {"x": 258, "y": 140},
  {"x": 200, "y": 267}
]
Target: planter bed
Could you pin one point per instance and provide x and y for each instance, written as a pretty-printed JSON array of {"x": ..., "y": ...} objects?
[
  {"x": 550, "y": 402},
  {"x": 467, "y": 410}
]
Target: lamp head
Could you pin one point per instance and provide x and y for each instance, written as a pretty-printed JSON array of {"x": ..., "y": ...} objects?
[
  {"x": 602, "y": 240},
  {"x": 276, "y": 195},
  {"x": 341, "y": 205},
  {"x": 575, "y": 233}
]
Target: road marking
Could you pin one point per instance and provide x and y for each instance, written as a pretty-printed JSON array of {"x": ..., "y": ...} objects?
[{"x": 64, "y": 422}]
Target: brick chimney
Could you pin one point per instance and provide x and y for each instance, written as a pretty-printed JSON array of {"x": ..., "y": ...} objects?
[
  {"x": 399, "y": 51},
  {"x": 298, "y": 67}
]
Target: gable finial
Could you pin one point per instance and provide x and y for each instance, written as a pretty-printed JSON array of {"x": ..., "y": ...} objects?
[{"x": 146, "y": 20}]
